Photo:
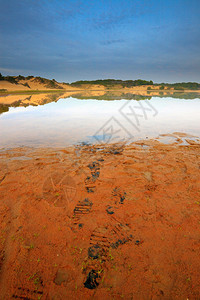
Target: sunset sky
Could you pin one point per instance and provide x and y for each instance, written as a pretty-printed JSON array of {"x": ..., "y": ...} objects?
[{"x": 69, "y": 40}]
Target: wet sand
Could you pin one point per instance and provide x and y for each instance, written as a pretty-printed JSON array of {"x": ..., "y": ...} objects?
[{"x": 101, "y": 222}]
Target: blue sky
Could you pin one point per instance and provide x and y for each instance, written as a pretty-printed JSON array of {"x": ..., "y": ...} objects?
[{"x": 73, "y": 40}]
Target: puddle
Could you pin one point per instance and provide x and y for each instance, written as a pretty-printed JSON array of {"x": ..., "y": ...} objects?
[
  {"x": 167, "y": 140},
  {"x": 20, "y": 158}
]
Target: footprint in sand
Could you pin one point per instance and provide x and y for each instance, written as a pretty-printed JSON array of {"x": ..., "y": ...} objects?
[{"x": 3, "y": 171}]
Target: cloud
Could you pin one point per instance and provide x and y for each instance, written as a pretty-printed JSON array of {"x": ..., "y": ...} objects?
[
  {"x": 110, "y": 21},
  {"x": 110, "y": 42},
  {"x": 118, "y": 13},
  {"x": 13, "y": 71}
]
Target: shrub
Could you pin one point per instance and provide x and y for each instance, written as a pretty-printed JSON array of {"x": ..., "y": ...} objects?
[
  {"x": 20, "y": 77},
  {"x": 180, "y": 88},
  {"x": 29, "y": 77},
  {"x": 10, "y": 79},
  {"x": 3, "y": 108}
]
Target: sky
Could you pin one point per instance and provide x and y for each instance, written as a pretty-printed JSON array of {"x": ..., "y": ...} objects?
[{"x": 69, "y": 40}]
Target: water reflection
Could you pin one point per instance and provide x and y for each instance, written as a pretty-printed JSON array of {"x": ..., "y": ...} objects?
[
  {"x": 27, "y": 100},
  {"x": 35, "y": 99},
  {"x": 47, "y": 120}
]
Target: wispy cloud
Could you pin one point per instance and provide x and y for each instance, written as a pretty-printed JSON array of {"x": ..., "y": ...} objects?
[
  {"x": 12, "y": 70},
  {"x": 110, "y": 42}
]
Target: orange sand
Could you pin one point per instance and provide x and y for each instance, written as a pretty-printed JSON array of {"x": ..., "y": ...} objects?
[{"x": 123, "y": 220}]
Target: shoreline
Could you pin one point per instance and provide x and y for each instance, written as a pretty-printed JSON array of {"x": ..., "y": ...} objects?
[
  {"x": 42, "y": 97},
  {"x": 17, "y": 92},
  {"x": 102, "y": 221},
  {"x": 175, "y": 139}
]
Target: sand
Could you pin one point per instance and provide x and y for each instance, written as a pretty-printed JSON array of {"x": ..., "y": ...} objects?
[
  {"x": 100, "y": 222},
  {"x": 34, "y": 86}
]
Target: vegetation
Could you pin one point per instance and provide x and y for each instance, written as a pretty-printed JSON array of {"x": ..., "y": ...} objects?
[
  {"x": 48, "y": 83},
  {"x": 52, "y": 84},
  {"x": 29, "y": 77},
  {"x": 113, "y": 82},
  {"x": 109, "y": 96},
  {"x": 10, "y": 79},
  {"x": 181, "y": 88},
  {"x": 130, "y": 83},
  {"x": 3, "y": 108},
  {"x": 20, "y": 77},
  {"x": 183, "y": 85},
  {"x": 108, "y": 83},
  {"x": 182, "y": 95}
]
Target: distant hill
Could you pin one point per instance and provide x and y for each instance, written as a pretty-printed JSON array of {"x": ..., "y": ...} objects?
[
  {"x": 108, "y": 83},
  {"x": 31, "y": 83}
]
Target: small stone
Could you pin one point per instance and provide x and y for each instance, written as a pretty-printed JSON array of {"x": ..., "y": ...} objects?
[
  {"x": 137, "y": 242},
  {"x": 116, "y": 152},
  {"x": 100, "y": 159}
]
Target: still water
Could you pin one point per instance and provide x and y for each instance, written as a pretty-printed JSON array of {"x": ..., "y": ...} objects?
[{"x": 68, "y": 121}]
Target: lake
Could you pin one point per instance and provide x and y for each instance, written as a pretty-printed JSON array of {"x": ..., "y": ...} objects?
[{"x": 60, "y": 122}]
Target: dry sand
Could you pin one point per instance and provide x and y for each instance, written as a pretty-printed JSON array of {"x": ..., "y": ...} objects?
[
  {"x": 34, "y": 85},
  {"x": 101, "y": 222}
]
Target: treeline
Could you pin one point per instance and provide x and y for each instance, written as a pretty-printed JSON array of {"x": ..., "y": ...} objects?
[
  {"x": 182, "y": 85},
  {"x": 131, "y": 83},
  {"x": 113, "y": 82}
]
